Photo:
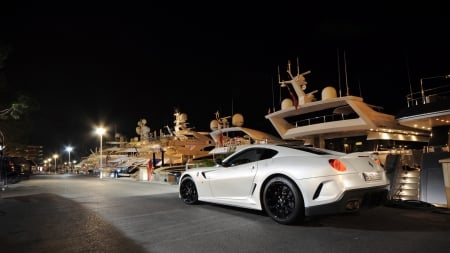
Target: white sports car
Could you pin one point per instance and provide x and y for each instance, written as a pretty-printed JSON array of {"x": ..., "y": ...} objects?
[{"x": 289, "y": 182}]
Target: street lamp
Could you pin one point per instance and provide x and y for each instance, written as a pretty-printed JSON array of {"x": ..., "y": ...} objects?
[
  {"x": 54, "y": 157},
  {"x": 69, "y": 149},
  {"x": 101, "y": 131}
]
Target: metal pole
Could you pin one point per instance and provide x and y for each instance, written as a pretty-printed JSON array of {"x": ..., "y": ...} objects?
[
  {"x": 101, "y": 160},
  {"x": 69, "y": 161},
  {"x": 100, "y": 131},
  {"x": 422, "y": 92}
]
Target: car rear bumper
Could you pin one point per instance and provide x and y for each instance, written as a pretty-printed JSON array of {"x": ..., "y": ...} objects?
[{"x": 351, "y": 201}]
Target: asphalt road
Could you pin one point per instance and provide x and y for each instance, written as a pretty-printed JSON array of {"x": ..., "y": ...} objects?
[{"x": 63, "y": 213}]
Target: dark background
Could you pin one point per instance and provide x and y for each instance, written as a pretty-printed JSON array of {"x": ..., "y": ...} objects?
[{"x": 87, "y": 64}]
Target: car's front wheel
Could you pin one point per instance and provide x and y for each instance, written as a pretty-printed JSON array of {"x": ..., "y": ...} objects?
[
  {"x": 188, "y": 191},
  {"x": 283, "y": 202}
]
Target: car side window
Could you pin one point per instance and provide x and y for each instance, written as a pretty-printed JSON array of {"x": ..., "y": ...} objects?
[
  {"x": 242, "y": 158},
  {"x": 267, "y": 153},
  {"x": 252, "y": 155}
]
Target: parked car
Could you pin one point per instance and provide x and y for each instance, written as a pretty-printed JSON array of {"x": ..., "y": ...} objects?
[
  {"x": 126, "y": 171},
  {"x": 289, "y": 182}
]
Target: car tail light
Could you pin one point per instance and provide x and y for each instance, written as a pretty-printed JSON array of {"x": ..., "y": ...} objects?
[
  {"x": 377, "y": 161},
  {"x": 337, "y": 165},
  {"x": 376, "y": 158}
]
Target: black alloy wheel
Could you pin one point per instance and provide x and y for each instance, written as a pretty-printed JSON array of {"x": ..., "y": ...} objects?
[
  {"x": 188, "y": 191},
  {"x": 283, "y": 201}
]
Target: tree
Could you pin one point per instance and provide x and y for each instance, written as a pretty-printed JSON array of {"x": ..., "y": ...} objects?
[
  {"x": 24, "y": 103},
  {"x": 16, "y": 109}
]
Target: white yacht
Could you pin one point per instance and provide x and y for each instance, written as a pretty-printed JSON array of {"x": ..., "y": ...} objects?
[
  {"x": 228, "y": 138},
  {"x": 163, "y": 151},
  {"x": 410, "y": 144},
  {"x": 342, "y": 123}
]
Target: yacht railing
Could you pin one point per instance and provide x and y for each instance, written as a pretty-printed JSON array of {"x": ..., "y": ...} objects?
[
  {"x": 428, "y": 96},
  {"x": 324, "y": 119}
]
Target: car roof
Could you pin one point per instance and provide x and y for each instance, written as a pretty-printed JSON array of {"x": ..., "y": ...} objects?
[
  {"x": 318, "y": 151},
  {"x": 297, "y": 146}
]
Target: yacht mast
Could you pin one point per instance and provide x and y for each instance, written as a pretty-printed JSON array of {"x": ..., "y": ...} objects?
[
  {"x": 346, "y": 79},
  {"x": 339, "y": 73}
]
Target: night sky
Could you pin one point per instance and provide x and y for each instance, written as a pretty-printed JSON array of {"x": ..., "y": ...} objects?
[{"x": 115, "y": 63}]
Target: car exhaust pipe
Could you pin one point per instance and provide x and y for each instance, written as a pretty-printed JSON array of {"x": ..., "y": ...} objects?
[{"x": 352, "y": 205}]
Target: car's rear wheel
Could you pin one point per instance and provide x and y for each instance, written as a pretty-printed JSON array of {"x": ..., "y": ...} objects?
[
  {"x": 188, "y": 191},
  {"x": 283, "y": 202}
]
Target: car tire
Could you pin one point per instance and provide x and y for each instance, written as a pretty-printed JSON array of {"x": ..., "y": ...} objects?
[
  {"x": 188, "y": 191},
  {"x": 283, "y": 201}
]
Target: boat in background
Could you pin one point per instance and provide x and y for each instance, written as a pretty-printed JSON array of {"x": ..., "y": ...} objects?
[
  {"x": 183, "y": 143},
  {"x": 429, "y": 109},
  {"x": 175, "y": 147},
  {"x": 229, "y": 138},
  {"x": 162, "y": 152},
  {"x": 344, "y": 123},
  {"x": 410, "y": 144},
  {"x": 419, "y": 174}
]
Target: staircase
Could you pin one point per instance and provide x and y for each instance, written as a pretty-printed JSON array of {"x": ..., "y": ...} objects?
[{"x": 403, "y": 171}]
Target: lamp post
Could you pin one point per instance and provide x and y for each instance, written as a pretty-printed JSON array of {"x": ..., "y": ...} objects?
[
  {"x": 73, "y": 164},
  {"x": 49, "y": 160},
  {"x": 69, "y": 149},
  {"x": 101, "y": 131},
  {"x": 55, "y": 156}
]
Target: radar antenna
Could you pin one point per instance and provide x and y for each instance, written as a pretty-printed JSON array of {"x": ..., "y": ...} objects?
[{"x": 299, "y": 84}]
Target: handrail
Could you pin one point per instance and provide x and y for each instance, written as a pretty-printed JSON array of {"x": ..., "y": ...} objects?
[
  {"x": 324, "y": 119},
  {"x": 429, "y": 95}
]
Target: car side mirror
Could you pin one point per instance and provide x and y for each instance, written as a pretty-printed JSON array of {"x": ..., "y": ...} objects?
[{"x": 218, "y": 161}]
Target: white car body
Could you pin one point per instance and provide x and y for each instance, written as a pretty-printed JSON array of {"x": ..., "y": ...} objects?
[{"x": 300, "y": 170}]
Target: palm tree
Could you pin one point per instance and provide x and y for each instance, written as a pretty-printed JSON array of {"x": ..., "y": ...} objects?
[{"x": 16, "y": 109}]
